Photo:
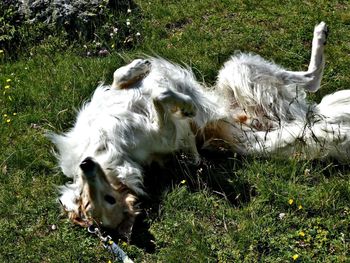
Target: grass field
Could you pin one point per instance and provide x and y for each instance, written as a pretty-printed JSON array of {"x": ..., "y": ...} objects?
[{"x": 230, "y": 208}]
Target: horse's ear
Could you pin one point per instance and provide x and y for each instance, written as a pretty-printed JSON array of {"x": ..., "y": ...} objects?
[{"x": 125, "y": 227}]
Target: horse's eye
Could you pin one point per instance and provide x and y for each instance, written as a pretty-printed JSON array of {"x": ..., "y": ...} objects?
[{"x": 110, "y": 199}]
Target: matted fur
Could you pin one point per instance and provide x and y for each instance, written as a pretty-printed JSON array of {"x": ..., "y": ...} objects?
[{"x": 155, "y": 107}]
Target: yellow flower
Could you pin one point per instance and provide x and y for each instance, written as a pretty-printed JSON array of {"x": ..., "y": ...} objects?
[
  {"x": 300, "y": 207},
  {"x": 113, "y": 46},
  {"x": 302, "y": 233},
  {"x": 1, "y": 52},
  {"x": 183, "y": 182},
  {"x": 295, "y": 257},
  {"x": 15, "y": 113},
  {"x": 7, "y": 86},
  {"x": 290, "y": 201},
  {"x": 5, "y": 115},
  {"x": 8, "y": 80},
  {"x": 8, "y": 120}
]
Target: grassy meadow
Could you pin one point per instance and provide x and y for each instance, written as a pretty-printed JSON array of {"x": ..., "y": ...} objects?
[{"x": 229, "y": 208}]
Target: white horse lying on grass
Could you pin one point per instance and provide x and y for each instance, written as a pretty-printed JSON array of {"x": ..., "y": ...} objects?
[{"x": 155, "y": 107}]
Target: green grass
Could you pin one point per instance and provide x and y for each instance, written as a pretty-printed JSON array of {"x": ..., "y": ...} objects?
[{"x": 230, "y": 208}]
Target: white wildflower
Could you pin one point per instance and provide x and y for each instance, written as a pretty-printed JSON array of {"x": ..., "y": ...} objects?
[{"x": 281, "y": 215}]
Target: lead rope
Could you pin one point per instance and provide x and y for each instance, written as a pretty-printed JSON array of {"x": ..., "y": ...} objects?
[{"x": 108, "y": 243}]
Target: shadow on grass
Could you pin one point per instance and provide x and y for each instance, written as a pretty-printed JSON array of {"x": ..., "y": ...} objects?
[
  {"x": 218, "y": 172},
  {"x": 215, "y": 173}
]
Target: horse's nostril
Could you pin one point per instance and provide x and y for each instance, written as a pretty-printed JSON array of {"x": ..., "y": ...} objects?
[{"x": 87, "y": 165}]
